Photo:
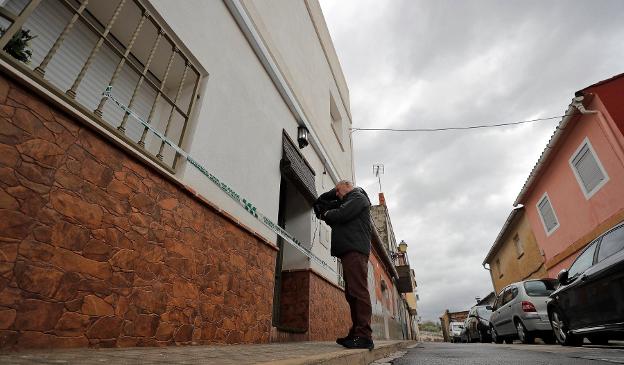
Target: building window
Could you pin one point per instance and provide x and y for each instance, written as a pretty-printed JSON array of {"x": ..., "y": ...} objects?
[
  {"x": 82, "y": 47},
  {"x": 547, "y": 214},
  {"x": 587, "y": 169},
  {"x": 518, "y": 245},
  {"x": 498, "y": 268},
  {"x": 336, "y": 121}
]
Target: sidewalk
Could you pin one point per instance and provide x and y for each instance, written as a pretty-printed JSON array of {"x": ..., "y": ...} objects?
[{"x": 276, "y": 353}]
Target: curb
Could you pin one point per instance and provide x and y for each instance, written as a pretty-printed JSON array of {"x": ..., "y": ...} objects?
[{"x": 348, "y": 357}]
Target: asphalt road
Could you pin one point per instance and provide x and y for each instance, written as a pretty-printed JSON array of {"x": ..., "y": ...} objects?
[{"x": 433, "y": 353}]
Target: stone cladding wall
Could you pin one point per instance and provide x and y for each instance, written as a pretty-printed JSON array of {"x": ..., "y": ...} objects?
[{"x": 97, "y": 249}]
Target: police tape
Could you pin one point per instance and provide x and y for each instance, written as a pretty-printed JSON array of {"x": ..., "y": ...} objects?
[{"x": 245, "y": 203}]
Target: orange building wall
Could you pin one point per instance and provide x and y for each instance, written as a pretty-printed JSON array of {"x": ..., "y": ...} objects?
[{"x": 580, "y": 219}]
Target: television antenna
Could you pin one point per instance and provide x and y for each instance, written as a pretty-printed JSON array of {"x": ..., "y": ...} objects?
[{"x": 378, "y": 170}]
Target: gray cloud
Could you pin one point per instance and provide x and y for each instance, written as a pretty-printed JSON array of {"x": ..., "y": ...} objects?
[{"x": 417, "y": 64}]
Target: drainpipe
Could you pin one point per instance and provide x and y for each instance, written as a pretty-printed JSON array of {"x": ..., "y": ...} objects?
[
  {"x": 607, "y": 129},
  {"x": 491, "y": 277},
  {"x": 237, "y": 9}
]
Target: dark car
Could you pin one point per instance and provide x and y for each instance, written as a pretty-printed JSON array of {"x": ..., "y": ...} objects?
[
  {"x": 477, "y": 324},
  {"x": 590, "y": 301}
]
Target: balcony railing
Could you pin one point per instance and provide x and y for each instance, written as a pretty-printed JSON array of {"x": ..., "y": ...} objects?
[
  {"x": 405, "y": 284},
  {"x": 82, "y": 47}
]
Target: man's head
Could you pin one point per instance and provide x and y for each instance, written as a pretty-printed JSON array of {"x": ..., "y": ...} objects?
[{"x": 343, "y": 188}]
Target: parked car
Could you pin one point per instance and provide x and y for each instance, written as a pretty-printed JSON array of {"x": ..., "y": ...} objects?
[
  {"x": 590, "y": 301},
  {"x": 520, "y": 312},
  {"x": 463, "y": 336},
  {"x": 455, "y": 329},
  {"x": 477, "y": 324}
]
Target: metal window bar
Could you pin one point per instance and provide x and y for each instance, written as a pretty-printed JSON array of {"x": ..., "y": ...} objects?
[
  {"x": 122, "y": 61},
  {"x": 105, "y": 36},
  {"x": 162, "y": 143},
  {"x": 122, "y": 126},
  {"x": 72, "y": 91},
  {"x": 44, "y": 64},
  {"x": 160, "y": 93},
  {"x": 17, "y": 22}
]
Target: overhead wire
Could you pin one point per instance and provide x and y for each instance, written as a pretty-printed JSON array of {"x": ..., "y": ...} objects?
[{"x": 460, "y": 128}]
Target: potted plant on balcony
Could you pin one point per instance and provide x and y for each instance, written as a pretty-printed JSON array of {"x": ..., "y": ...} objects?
[{"x": 19, "y": 45}]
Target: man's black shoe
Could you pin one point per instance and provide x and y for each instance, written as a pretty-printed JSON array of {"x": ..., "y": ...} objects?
[
  {"x": 358, "y": 343},
  {"x": 341, "y": 340}
]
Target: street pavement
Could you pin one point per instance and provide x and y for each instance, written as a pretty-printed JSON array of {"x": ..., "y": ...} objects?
[{"x": 433, "y": 353}]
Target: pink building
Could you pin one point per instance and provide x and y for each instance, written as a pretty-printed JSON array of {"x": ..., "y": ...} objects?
[{"x": 576, "y": 190}]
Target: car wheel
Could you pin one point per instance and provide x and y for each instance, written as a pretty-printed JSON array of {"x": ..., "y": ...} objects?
[
  {"x": 523, "y": 335},
  {"x": 469, "y": 338},
  {"x": 495, "y": 337},
  {"x": 598, "y": 340},
  {"x": 561, "y": 332}
]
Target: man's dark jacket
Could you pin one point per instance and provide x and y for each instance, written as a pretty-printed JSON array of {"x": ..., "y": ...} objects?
[{"x": 350, "y": 222}]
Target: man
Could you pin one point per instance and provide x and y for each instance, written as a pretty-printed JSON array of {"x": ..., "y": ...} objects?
[{"x": 346, "y": 209}]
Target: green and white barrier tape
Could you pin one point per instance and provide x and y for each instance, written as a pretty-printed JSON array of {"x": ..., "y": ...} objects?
[{"x": 245, "y": 203}]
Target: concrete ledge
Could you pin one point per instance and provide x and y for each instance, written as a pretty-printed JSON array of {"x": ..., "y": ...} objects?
[
  {"x": 291, "y": 353},
  {"x": 348, "y": 357}
]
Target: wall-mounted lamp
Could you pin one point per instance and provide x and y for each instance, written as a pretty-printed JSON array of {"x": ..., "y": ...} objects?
[
  {"x": 402, "y": 251},
  {"x": 403, "y": 247},
  {"x": 302, "y": 136}
]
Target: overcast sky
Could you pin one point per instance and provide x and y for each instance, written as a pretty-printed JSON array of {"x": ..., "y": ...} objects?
[{"x": 421, "y": 64}]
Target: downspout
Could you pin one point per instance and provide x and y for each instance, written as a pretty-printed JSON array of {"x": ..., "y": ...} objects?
[
  {"x": 491, "y": 277},
  {"x": 607, "y": 129},
  {"x": 237, "y": 9}
]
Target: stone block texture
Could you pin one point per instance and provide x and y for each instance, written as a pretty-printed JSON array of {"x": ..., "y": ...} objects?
[
  {"x": 312, "y": 304},
  {"x": 97, "y": 249}
]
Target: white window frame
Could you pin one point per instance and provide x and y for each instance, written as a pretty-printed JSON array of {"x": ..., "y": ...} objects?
[
  {"x": 518, "y": 245},
  {"x": 588, "y": 194},
  {"x": 546, "y": 196}
]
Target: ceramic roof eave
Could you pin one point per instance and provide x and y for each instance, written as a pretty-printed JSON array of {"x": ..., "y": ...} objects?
[
  {"x": 576, "y": 104},
  {"x": 499, "y": 239}
]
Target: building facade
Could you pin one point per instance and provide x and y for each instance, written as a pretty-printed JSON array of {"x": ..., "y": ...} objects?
[
  {"x": 158, "y": 165},
  {"x": 515, "y": 255},
  {"x": 576, "y": 190},
  {"x": 392, "y": 278}
]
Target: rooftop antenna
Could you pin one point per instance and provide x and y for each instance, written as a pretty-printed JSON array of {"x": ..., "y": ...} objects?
[{"x": 378, "y": 170}]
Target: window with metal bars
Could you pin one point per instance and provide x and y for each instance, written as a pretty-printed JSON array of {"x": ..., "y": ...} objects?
[
  {"x": 587, "y": 169},
  {"x": 82, "y": 47}
]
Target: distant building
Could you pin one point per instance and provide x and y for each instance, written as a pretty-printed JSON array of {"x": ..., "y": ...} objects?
[
  {"x": 390, "y": 279},
  {"x": 576, "y": 190},
  {"x": 515, "y": 255},
  {"x": 448, "y": 317}
]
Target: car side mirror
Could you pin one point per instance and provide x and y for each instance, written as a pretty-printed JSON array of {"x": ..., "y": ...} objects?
[
  {"x": 489, "y": 307},
  {"x": 563, "y": 277}
]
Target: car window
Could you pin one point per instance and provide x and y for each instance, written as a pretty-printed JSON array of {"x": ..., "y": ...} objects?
[
  {"x": 583, "y": 262},
  {"x": 612, "y": 243},
  {"x": 499, "y": 299},
  {"x": 484, "y": 313},
  {"x": 540, "y": 288},
  {"x": 514, "y": 292},
  {"x": 508, "y": 296}
]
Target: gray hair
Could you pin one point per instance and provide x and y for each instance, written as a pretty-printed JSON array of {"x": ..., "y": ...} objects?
[{"x": 345, "y": 182}]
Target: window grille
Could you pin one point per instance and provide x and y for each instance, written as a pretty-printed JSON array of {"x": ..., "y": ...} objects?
[{"x": 83, "y": 46}]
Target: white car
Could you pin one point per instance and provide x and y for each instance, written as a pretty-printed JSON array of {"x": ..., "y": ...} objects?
[{"x": 455, "y": 329}]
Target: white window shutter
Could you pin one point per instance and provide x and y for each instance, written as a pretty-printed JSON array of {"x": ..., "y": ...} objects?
[{"x": 587, "y": 168}]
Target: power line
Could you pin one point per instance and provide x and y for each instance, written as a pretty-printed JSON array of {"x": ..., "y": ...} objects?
[{"x": 460, "y": 128}]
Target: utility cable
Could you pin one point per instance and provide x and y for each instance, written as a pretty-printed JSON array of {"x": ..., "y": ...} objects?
[{"x": 460, "y": 128}]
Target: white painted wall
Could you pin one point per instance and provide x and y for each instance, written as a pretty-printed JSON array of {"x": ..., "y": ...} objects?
[{"x": 237, "y": 131}]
